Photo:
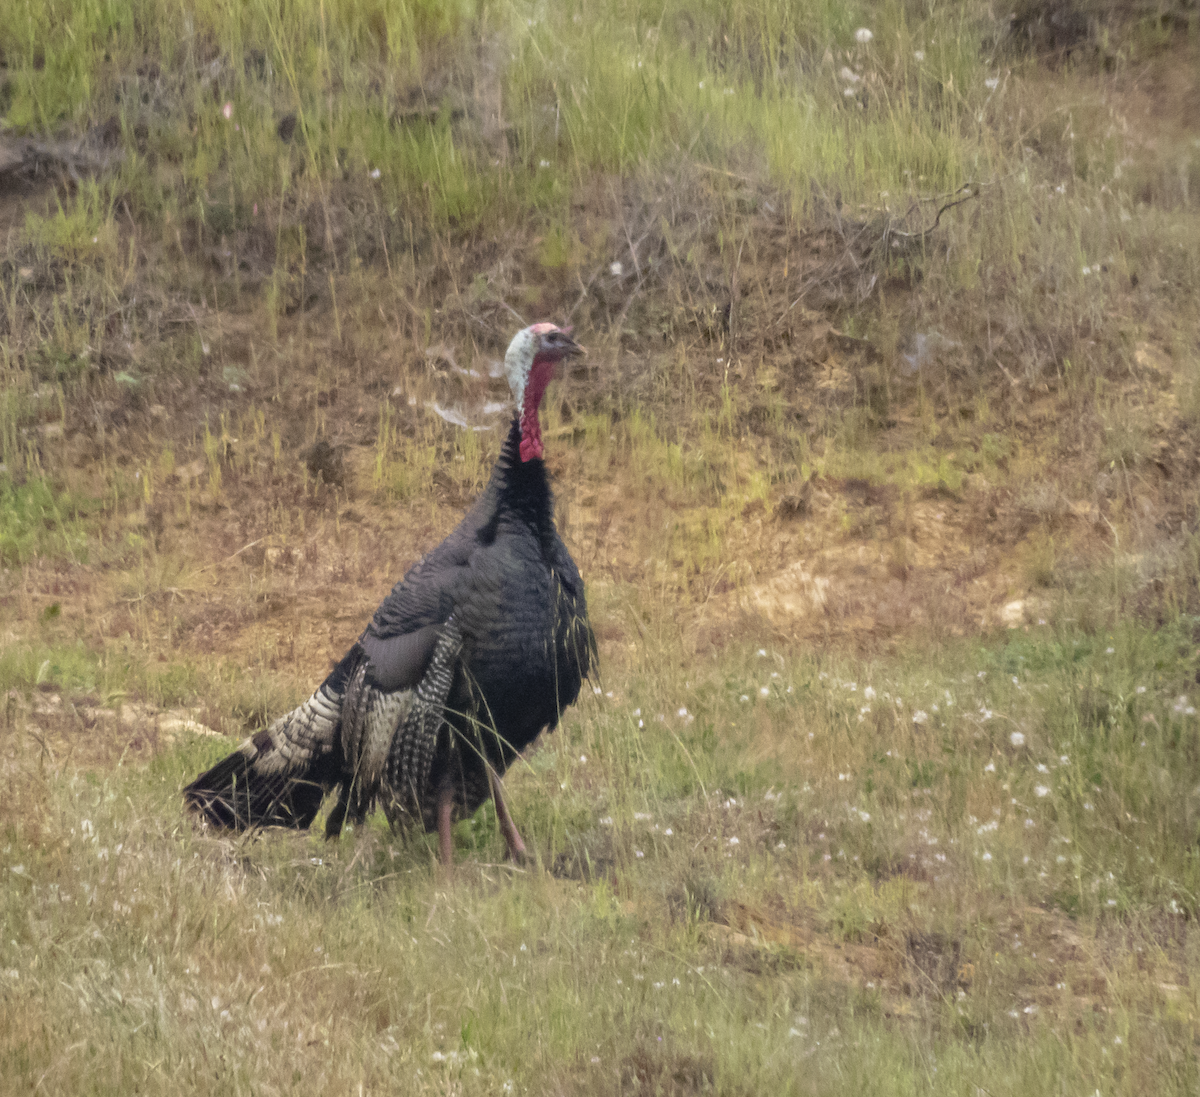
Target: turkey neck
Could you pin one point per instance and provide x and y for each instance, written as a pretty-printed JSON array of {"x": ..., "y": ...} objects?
[{"x": 520, "y": 489}]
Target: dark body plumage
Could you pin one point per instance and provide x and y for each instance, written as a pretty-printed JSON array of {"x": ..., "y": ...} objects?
[{"x": 476, "y": 651}]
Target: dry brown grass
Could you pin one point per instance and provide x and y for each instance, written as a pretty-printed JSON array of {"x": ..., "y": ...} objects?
[{"x": 797, "y": 465}]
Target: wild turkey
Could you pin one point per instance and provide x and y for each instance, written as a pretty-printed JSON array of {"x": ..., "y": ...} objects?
[{"x": 480, "y": 647}]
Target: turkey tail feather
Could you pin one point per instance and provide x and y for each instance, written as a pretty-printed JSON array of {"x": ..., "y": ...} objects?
[{"x": 277, "y": 777}]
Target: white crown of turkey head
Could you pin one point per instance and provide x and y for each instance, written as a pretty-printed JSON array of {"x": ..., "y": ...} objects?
[{"x": 529, "y": 365}]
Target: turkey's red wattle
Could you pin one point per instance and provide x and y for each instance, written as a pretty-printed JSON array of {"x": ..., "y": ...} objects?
[{"x": 540, "y": 374}]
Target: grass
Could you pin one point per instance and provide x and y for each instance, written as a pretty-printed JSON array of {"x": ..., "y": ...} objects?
[
  {"x": 807, "y": 881},
  {"x": 890, "y": 540}
]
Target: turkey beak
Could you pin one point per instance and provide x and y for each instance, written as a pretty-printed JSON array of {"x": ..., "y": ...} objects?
[{"x": 573, "y": 349}]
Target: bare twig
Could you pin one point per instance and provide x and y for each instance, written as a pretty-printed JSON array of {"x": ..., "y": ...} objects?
[
  {"x": 232, "y": 556},
  {"x": 874, "y": 241}
]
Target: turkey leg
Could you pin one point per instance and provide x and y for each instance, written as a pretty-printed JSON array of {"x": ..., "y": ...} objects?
[
  {"x": 516, "y": 848},
  {"x": 445, "y": 807}
]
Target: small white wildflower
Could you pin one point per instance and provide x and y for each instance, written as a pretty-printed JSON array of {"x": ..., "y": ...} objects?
[
  {"x": 1042, "y": 767},
  {"x": 869, "y": 693},
  {"x": 1111, "y": 903},
  {"x": 764, "y": 691},
  {"x": 543, "y": 163},
  {"x": 1088, "y": 806},
  {"x": 920, "y": 717},
  {"x": 781, "y": 845},
  {"x": 1110, "y": 651},
  {"x": 616, "y": 269},
  {"x": 583, "y": 759},
  {"x": 762, "y": 653},
  {"x": 918, "y": 56},
  {"x": 1140, "y": 689},
  {"x": 990, "y": 767},
  {"x": 1064, "y": 760},
  {"x": 596, "y": 690},
  {"x": 744, "y": 697},
  {"x": 1017, "y": 739},
  {"x": 1061, "y": 188},
  {"x": 992, "y": 83},
  {"x": 668, "y": 832},
  {"x": 1041, "y": 791},
  {"x": 638, "y": 854},
  {"x": 1029, "y": 823},
  {"x": 227, "y": 111},
  {"x": 682, "y": 711},
  {"x": 862, "y": 36},
  {"x": 375, "y": 173},
  {"x": 733, "y": 841},
  {"x": 606, "y": 821},
  {"x": 849, "y": 75},
  {"x": 987, "y": 856},
  {"x": 642, "y": 816},
  {"x": 865, "y": 816},
  {"x": 641, "y": 723}
]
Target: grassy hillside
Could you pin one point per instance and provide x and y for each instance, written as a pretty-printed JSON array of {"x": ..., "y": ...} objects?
[{"x": 882, "y": 472}]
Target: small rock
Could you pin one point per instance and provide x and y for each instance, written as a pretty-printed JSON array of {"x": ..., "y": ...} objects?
[{"x": 1013, "y": 614}]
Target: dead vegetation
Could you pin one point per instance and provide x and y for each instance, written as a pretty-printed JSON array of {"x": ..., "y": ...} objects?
[{"x": 881, "y": 470}]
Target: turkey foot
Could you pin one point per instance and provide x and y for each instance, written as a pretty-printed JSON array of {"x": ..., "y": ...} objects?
[
  {"x": 516, "y": 848},
  {"x": 445, "y": 807}
]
